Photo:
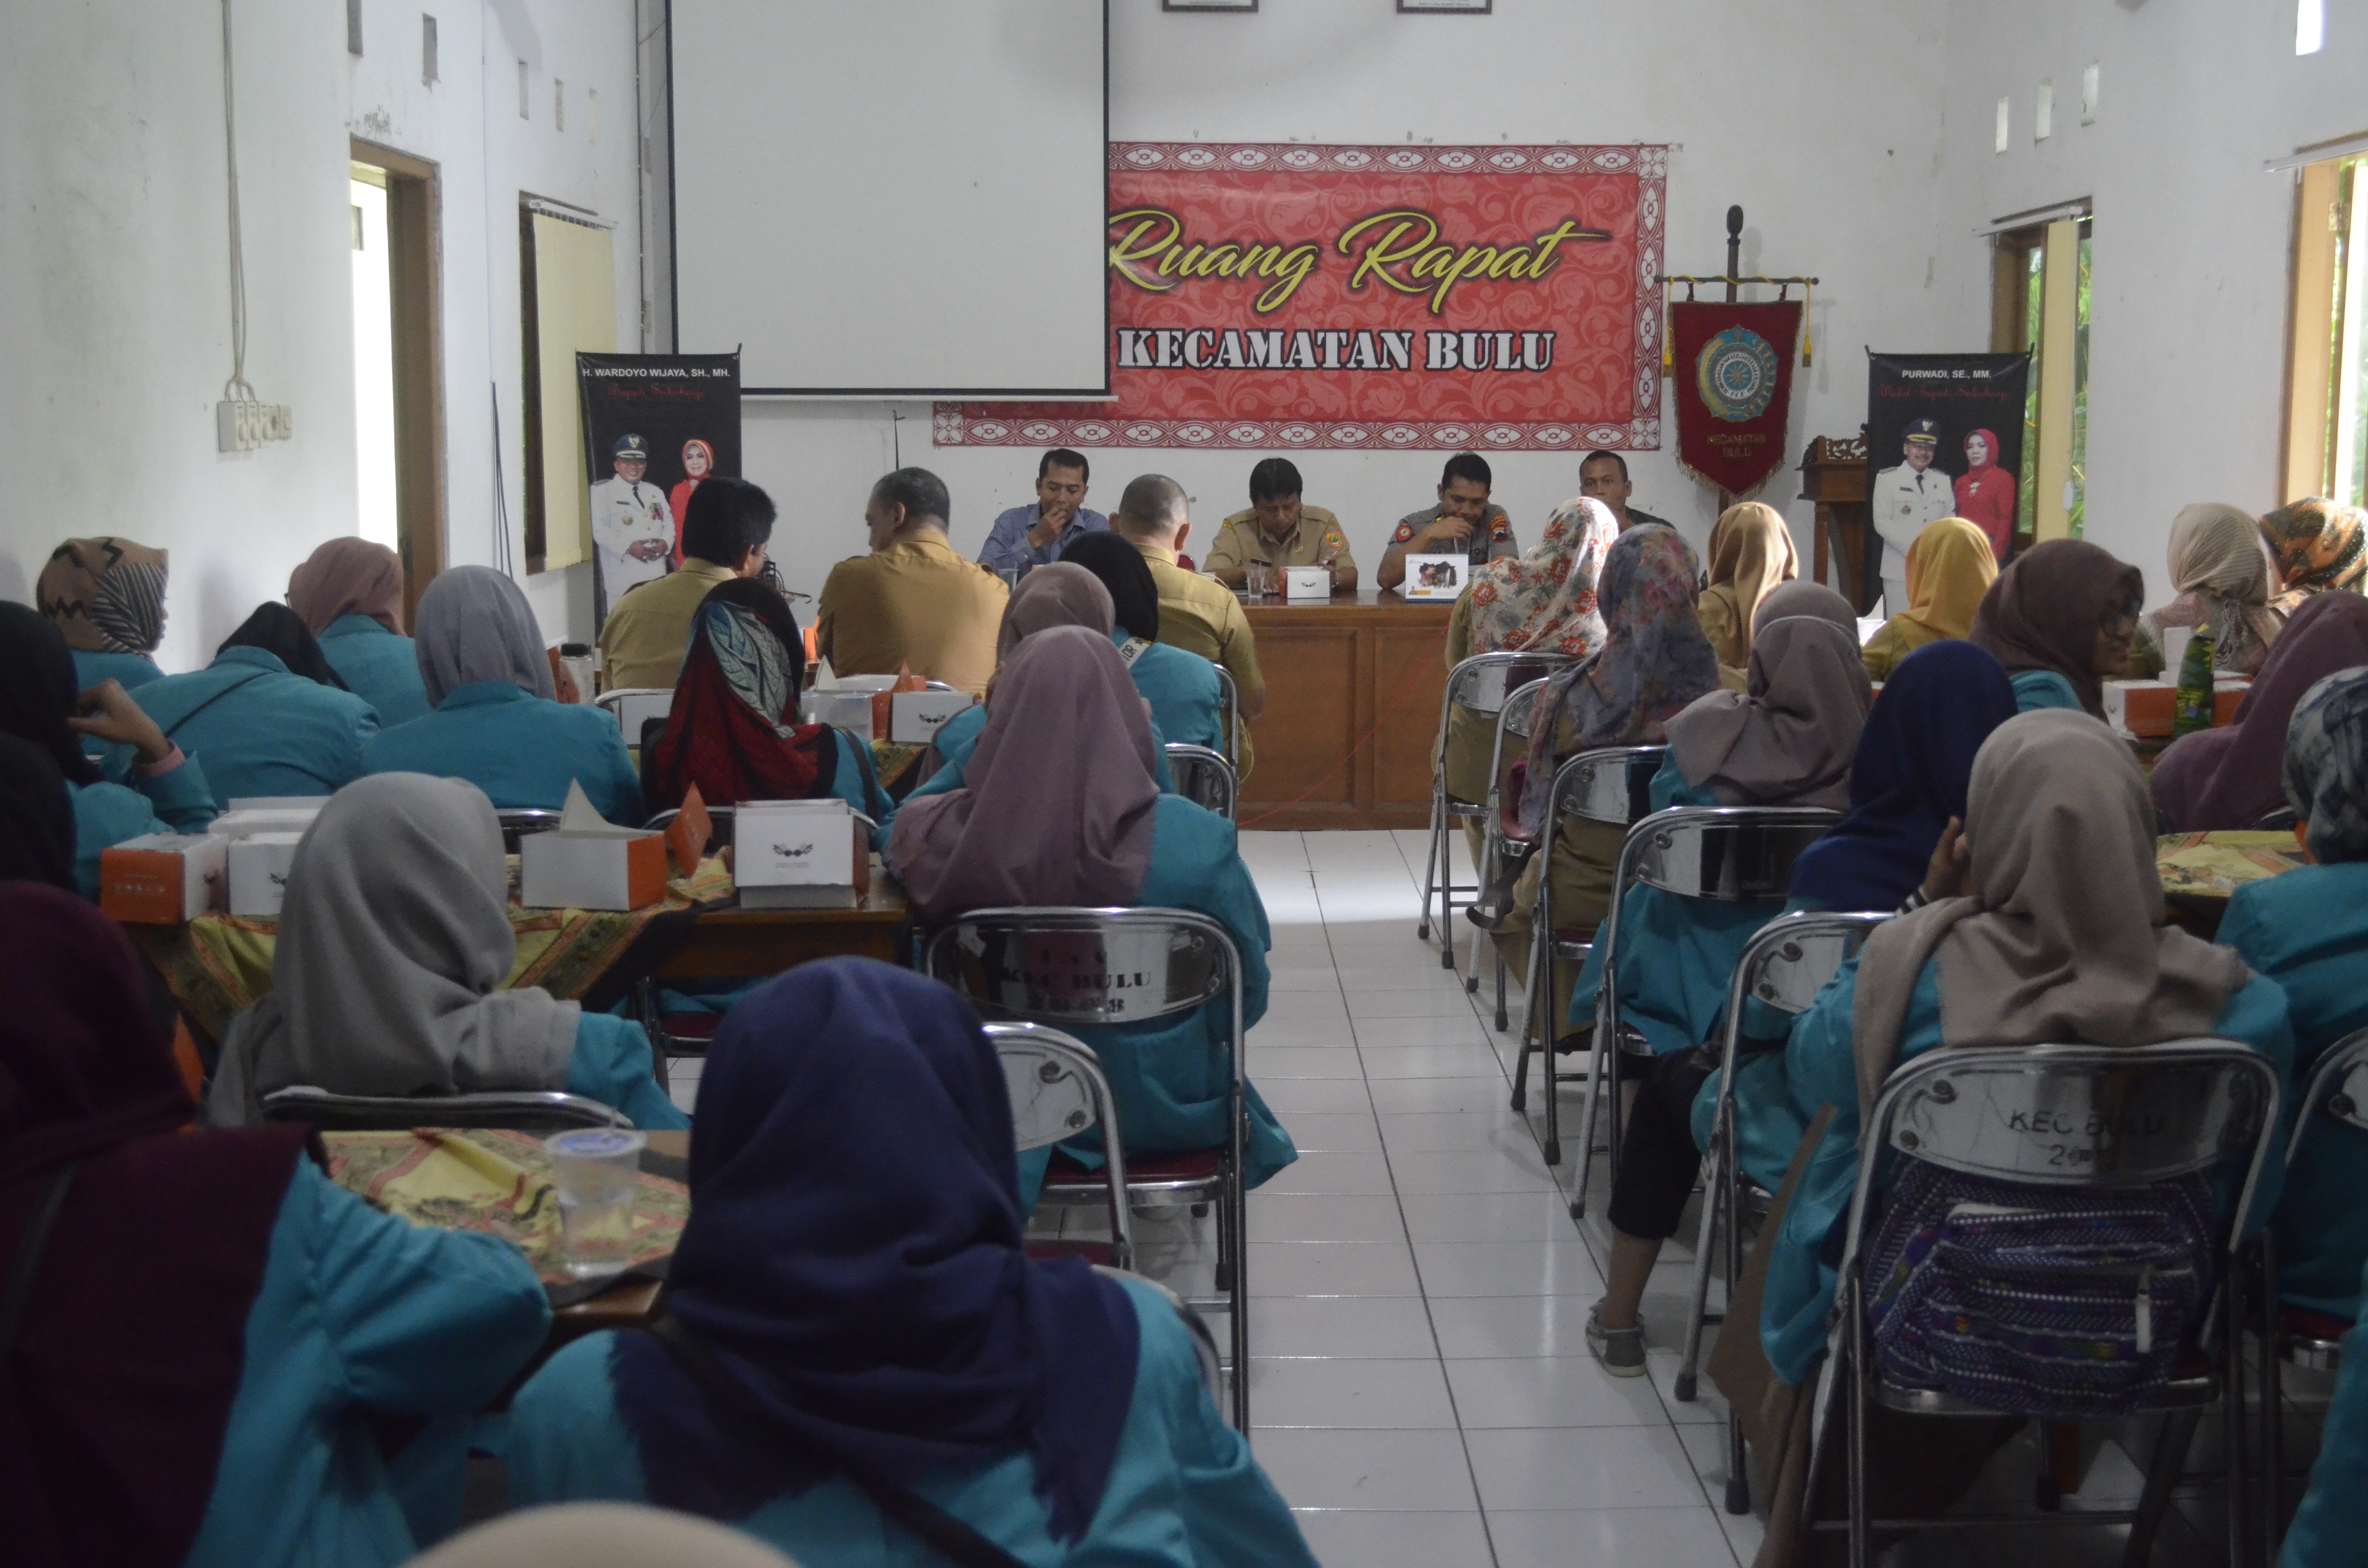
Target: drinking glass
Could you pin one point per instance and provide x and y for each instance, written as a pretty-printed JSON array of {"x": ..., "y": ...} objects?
[{"x": 596, "y": 1171}]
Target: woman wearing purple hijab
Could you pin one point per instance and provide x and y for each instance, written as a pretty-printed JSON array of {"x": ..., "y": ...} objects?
[{"x": 1058, "y": 807}]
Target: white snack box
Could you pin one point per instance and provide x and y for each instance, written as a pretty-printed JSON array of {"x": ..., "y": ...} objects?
[
  {"x": 1304, "y": 584},
  {"x": 163, "y": 878},
  {"x": 916, "y": 717},
  {"x": 246, "y": 818},
  {"x": 800, "y": 855},
  {"x": 841, "y": 708},
  {"x": 2117, "y": 695},
  {"x": 588, "y": 863},
  {"x": 258, "y": 873}
]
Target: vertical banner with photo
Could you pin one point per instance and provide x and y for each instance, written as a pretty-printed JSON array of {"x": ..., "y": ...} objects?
[
  {"x": 655, "y": 424},
  {"x": 1943, "y": 440}
]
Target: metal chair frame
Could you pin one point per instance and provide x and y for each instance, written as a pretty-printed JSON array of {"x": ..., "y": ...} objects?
[
  {"x": 519, "y": 821},
  {"x": 1052, "y": 1068},
  {"x": 1973, "y": 1111},
  {"x": 1229, "y": 706},
  {"x": 1204, "y": 1343},
  {"x": 511, "y": 1108},
  {"x": 1516, "y": 720},
  {"x": 1658, "y": 850},
  {"x": 1125, "y": 988},
  {"x": 1602, "y": 785},
  {"x": 612, "y": 703},
  {"x": 1199, "y": 763},
  {"x": 719, "y": 818},
  {"x": 1789, "y": 960},
  {"x": 1438, "y": 865}
]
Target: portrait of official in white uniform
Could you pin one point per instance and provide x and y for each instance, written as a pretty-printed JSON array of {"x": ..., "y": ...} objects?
[
  {"x": 631, "y": 527},
  {"x": 1905, "y": 501}
]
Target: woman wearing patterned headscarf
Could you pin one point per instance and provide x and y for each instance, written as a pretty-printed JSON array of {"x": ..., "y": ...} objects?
[
  {"x": 107, "y": 596},
  {"x": 2220, "y": 569},
  {"x": 2320, "y": 548},
  {"x": 1750, "y": 555}
]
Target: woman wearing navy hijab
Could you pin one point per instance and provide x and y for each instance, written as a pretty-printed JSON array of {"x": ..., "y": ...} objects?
[{"x": 854, "y": 1266}]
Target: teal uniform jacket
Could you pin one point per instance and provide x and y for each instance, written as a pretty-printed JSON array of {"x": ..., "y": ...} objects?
[
  {"x": 1186, "y": 703},
  {"x": 2043, "y": 689},
  {"x": 1821, "y": 1070},
  {"x": 522, "y": 750},
  {"x": 382, "y": 666},
  {"x": 130, "y": 804},
  {"x": 2307, "y": 930},
  {"x": 356, "y": 1308},
  {"x": 958, "y": 737},
  {"x": 261, "y": 730},
  {"x": 612, "y": 1065},
  {"x": 1184, "y": 1491},
  {"x": 2328, "y": 1527},
  {"x": 130, "y": 671}
]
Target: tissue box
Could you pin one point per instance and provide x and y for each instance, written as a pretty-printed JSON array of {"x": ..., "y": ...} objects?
[
  {"x": 258, "y": 873},
  {"x": 246, "y": 818},
  {"x": 2227, "y": 693},
  {"x": 588, "y": 863},
  {"x": 2140, "y": 708},
  {"x": 1302, "y": 584},
  {"x": 840, "y": 710},
  {"x": 916, "y": 717},
  {"x": 163, "y": 878},
  {"x": 800, "y": 855}
]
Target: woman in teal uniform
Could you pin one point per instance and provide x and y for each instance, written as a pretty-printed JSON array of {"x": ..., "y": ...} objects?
[
  {"x": 2060, "y": 618},
  {"x": 268, "y": 715},
  {"x": 350, "y": 595},
  {"x": 2307, "y": 930},
  {"x": 1187, "y": 705},
  {"x": 211, "y": 1322},
  {"x": 107, "y": 596},
  {"x": 852, "y": 1316},
  {"x": 394, "y": 947},
  {"x": 147, "y": 784},
  {"x": 1059, "y": 807},
  {"x": 495, "y": 723},
  {"x": 2333, "y": 1519}
]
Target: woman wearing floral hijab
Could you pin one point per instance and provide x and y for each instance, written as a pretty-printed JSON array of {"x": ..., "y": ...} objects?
[{"x": 2320, "y": 548}]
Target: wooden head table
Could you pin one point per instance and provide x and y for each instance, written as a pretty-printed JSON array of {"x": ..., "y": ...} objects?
[{"x": 1353, "y": 688}]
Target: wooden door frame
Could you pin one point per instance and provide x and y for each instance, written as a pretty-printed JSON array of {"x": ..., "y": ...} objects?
[{"x": 415, "y": 268}]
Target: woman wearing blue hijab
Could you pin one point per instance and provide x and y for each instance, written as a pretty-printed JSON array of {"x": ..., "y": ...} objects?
[{"x": 854, "y": 1266}]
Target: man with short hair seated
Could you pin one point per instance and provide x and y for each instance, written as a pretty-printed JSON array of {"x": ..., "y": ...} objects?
[
  {"x": 912, "y": 601},
  {"x": 1278, "y": 531},
  {"x": 724, "y": 532},
  {"x": 1466, "y": 522},
  {"x": 1039, "y": 533},
  {"x": 1195, "y": 614}
]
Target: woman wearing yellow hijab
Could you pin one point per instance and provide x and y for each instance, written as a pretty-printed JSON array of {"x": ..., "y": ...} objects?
[
  {"x": 1949, "y": 567},
  {"x": 1751, "y": 554}
]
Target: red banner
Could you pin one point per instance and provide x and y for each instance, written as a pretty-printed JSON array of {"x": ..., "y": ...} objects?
[
  {"x": 1731, "y": 382},
  {"x": 1294, "y": 296}
]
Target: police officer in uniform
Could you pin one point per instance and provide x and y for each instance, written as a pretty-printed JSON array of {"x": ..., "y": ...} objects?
[
  {"x": 1906, "y": 500},
  {"x": 1278, "y": 531},
  {"x": 1465, "y": 521},
  {"x": 631, "y": 527}
]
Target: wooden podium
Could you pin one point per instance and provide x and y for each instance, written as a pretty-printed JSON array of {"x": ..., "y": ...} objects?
[{"x": 1833, "y": 474}]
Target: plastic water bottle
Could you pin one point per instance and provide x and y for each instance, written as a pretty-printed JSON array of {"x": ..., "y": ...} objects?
[{"x": 2192, "y": 706}]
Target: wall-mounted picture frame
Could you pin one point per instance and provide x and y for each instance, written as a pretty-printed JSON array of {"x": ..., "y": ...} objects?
[
  {"x": 1460, "y": 8},
  {"x": 1208, "y": 5}
]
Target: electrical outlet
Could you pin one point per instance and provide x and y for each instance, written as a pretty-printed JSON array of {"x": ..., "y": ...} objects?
[{"x": 241, "y": 426}]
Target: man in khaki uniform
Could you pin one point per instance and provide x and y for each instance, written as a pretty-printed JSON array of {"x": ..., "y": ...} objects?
[
  {"x": 912, "y": 601},
  {"x": 1278, "y": 531},
  {"x": 725, "y": 528},
  {"x": 1195, "y": 614}
]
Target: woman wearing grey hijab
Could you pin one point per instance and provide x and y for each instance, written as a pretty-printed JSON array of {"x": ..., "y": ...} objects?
[
  {"x": 394, "y": 948},
  {"x": 494, "y": 723}
]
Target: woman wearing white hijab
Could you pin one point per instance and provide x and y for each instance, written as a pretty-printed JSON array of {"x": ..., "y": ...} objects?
[
  {"x": 495, "y": 725},
  {"x": 394, "y": 945},
  {"x": 2221, "y": 568}
]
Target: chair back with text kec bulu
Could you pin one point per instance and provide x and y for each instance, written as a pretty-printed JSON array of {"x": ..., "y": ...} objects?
[
  {"x": 1057, "y": 1091},
  {"x": 1203, "y": 777}
]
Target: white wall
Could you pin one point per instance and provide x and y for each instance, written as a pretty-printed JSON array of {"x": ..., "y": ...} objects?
[{"x": 2191, "y": 265}]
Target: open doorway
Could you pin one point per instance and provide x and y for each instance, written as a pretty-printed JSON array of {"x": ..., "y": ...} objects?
[{"x": 398, "y": 372}]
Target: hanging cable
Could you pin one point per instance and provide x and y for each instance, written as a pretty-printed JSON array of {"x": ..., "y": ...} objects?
[{"x": 236, "y": 388}]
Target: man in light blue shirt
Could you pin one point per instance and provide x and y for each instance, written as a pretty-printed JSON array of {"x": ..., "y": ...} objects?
[{"x": 1028, "y": 536}]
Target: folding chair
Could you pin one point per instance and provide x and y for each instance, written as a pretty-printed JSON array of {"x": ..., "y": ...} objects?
[
  {"x": 1203, "y": 777},
  {"x": 1718, "y": 854},
  {"x": 1788, "y": 962},
  {"x": 1057, "y": 1091},
  {"x": 1204, "y": 1343},
  {"x": 633, "y": 706},
  {"x": 1229, "y": 709},
  {"x": 2061, "y": 1117},
  {"x": 519, "y": 823},
  {"x": 2283, "y": 820},
  {"x": 1612, "y": 784},
  {"x": 1479, "y": 685},
  {"x": 1499, "y": 849},
  {"x": 519, "y": 1109},
  {"x": 1115, "y": 967}
]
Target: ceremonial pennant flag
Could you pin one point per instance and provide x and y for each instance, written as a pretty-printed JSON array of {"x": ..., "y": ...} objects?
[{"x": 1732, "y": 383}]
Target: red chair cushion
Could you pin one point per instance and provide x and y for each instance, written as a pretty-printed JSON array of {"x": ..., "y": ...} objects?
[
  {"x": 1197, "y": 1164},
  {"x": 2304, "y": 1324},
  {"x": 691, "y": 1026}
]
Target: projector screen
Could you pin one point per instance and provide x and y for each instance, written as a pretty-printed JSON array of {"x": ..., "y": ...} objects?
[{"x": 891, "y": 198}]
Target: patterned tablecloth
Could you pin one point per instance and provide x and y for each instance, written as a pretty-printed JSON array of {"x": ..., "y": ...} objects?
[
  {"x": 2210, "y": 865},
  {"x": 892, "y": 761}
]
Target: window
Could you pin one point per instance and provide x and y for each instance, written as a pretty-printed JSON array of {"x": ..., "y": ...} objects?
[
  {"x": 2040, "y": 305},
  {"x": 2327, "y": 393},
  {"x": 569, "y": 281}
]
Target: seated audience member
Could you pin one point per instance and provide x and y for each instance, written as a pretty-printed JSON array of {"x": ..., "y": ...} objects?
[
  {"x": 1464, "y": 522},
  {"x": 270, "y": 715},
  {"x": 1278, "y": 531},
  {"x": 37, "y": 826},
  {"x": 1603, "y": 476},
  {"x": 1059, "y": 807},
  {"x": 2320, "y": 548},
  {"x": 1543, "y": 602},
  {"x": 725, "y": 533},
  {"x": 2220, "y": 568},
  {"x": 1195, "y": 614},
  {"x": 1908, "y": 790},
  {"x": 2060, "y": 618},
  {"x": 496, "y": 723},
  {"x": 348, "y": 594},
  {"x": 1949, "y": 568},
  {"x": 856, "y": 1318},
  {"x": 2048, "y": 927},
  {"x": 1186, "y": 703},
  {"x": 731, "y": 730},
  {"x": 2333, "y": 1519},
  {"x": 1751, "y": 554},
  {"x": 1653, "y": 661},
  {"x": 107, "y": 596},
  {"x": 912, "y": 603},
  {"x": 146, "y": 785},
  {"x": 2307, "y": 930},
  {"x": 601, "y": 1535},
  {"x": 215, "y": 1321},
  {"x": 2228, "y": 778},
  {"x": 394, "y": 943},
  {"x": 1041, "y": 532}
]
